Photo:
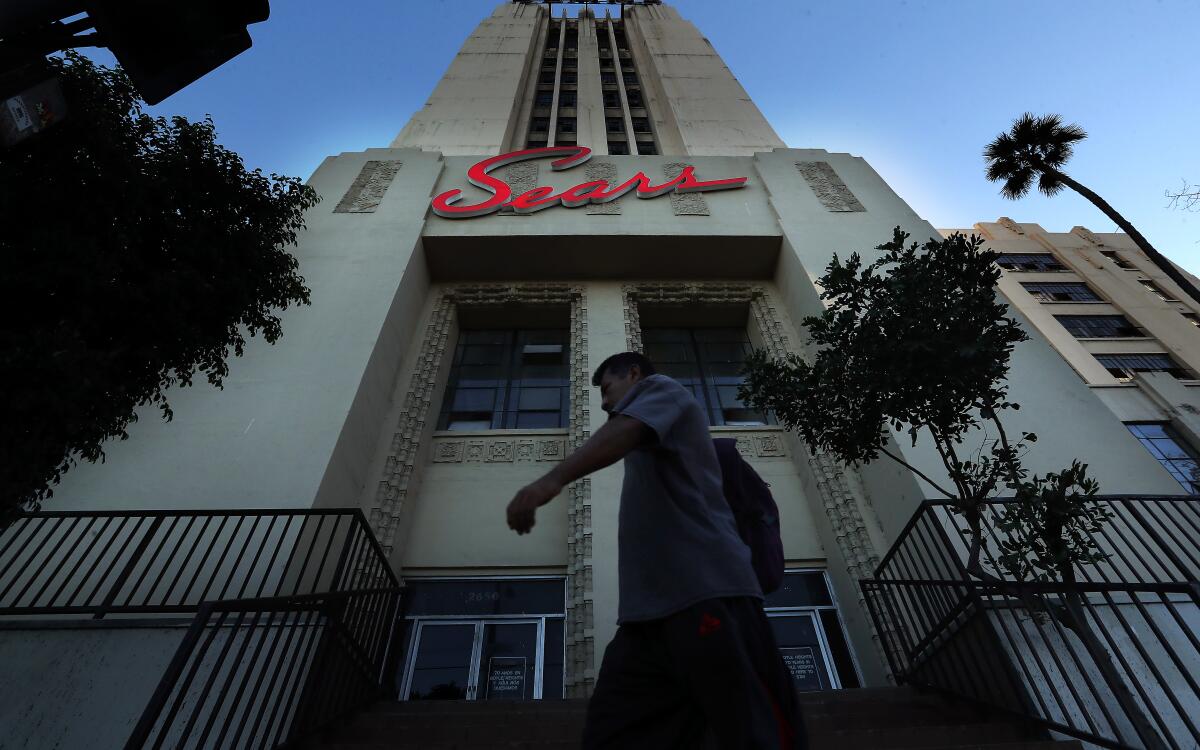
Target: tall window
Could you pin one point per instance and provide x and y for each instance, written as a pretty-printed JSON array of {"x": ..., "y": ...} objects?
[
  {"x": 708, "y": 362},
  {"x": 508, "y": 379},
  {"x": 1125, "y": 366},
  {"x": 1099, "y": 326},
  {"x": 1172, "y": 452},
  {"x": 1029, "y": 262},
  {"x": 1121, "y": 262},
  {"x": 1064, "y": 291}
]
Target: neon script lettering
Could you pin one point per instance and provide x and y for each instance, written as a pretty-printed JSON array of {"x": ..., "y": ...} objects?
[{"x": 448, "y": 205}]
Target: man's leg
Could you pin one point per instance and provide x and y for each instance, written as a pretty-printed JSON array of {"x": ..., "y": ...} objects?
[
  {"x": 639, "y": 701},
  {"x": 725, "y": 650}
]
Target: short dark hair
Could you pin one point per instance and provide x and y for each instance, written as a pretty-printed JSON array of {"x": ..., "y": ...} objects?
[{"x": 619, "y": 364}]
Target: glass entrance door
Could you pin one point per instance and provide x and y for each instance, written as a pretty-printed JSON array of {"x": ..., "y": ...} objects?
[
  {"x": 802, "y": 643},
  {"x": 475, "y": 660}
]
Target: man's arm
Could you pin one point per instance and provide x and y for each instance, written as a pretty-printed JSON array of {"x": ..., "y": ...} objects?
[{"x": 609, "y": 444}]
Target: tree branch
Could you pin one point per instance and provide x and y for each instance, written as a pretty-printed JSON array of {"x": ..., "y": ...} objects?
[{"x": 916, "y": 471}]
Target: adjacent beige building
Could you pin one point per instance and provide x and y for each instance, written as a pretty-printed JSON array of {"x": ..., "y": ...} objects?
[{"x": 1129, "y": 332}]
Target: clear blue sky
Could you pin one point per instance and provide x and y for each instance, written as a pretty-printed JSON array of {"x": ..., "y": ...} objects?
[{"x": 915, "y": 87}]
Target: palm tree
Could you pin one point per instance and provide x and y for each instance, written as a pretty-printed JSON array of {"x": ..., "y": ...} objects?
[{"x": 1038, "y": 147}]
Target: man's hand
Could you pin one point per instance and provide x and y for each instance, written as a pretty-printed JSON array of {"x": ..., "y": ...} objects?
[{"x": 528, "y": 499}]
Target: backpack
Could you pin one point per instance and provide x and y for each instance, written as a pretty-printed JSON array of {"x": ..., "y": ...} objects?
[{"x": 755, "y": 511}]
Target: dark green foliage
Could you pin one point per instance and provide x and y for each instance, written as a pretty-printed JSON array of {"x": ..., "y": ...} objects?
[
  {"x": 915, "y": 339},
  {"x": 1034, "y": 147},
  {"x": 1050, "y": 524},
  {"x": 138, "y": 252}
]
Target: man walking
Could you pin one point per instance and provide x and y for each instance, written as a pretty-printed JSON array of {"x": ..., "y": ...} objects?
[{"x": 694, "y": 656}]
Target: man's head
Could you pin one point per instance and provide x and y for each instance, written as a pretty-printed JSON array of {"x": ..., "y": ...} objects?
[{"x": 617, "y": 374}]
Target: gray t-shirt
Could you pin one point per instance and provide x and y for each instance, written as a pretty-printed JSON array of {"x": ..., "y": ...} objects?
[{"x": 677, "y": 541}]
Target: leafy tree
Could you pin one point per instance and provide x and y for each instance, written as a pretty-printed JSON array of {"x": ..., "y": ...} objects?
[
  {"x": 138, "y": 253},
  {"x": 1038, "y": 148},
  {"x": 918, "y": 342}
]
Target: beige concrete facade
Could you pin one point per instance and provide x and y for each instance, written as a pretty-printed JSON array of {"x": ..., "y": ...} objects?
[{"x": 343, "y": 411}]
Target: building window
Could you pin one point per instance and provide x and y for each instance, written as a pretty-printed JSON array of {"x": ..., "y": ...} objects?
[
  {"x": 546, "y": 77},
  {"x": 1099, "y": 326},
  {"x": 540, "y": 124},
  {"x": 1029, "y": 262},
  {"x": 1124, "y": 366},
  {"x": 1157, "y": 290},
  {"x": 635, "y": 98},
  {"x": 1115, "y": 258},
  {"x": 608, "y": 77},
  {"x": 646, "y": 148},
  {"x": 708, "y": 362},
  {"x": 569, "y": 63},
  {"x": 566, "y": 124},
  {"x": 1176, "y": 456},
  {"x": 570, "y": 77},
  {"x": 544, "y": 98},
  {"x": 809, "y": 633},
  {"x": 614, "y": 124},
  {"x": 533, "y": 143},
  {"x": 567, "y": 99},
  {"x": 619, "y": 148},
  {"x": 641, "y": 125},
  {"x": 630, "y": 78},
  {"x": 1061, "y": 292},
  {"x": 612, "y": 99},
  {"x": 508, "y": 379}
]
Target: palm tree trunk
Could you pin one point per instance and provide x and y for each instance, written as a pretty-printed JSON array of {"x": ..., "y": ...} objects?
[{"x": 1159, "y": 260}]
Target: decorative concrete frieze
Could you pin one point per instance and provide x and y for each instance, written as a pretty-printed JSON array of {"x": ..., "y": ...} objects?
[
  {"x": 755, "y": 443},
  {"x": 522, "y": 177},
  {"x": 367, "y": 190},
  {"x": 1087, "y": 235},
  {"x": 1010, "y": 225},
  {"x": 685, "y": 204},
  {"x": 399, "y": 466},
  {"x": 606, "y": 171},
  {"x": 828, "y": 187}
]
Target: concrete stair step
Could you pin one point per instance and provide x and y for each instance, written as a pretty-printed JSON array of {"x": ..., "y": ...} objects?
[{"x": 953, "y": 735}]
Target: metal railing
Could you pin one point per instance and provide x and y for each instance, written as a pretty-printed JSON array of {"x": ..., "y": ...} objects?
[
  {"x": 293, "y": 611},
  {"x": 108, "y": 563},
  {"x": 1112, "y": 657}
]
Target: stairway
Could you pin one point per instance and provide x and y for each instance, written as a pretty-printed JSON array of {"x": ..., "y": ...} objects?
[{"x": 866, "y": 719}]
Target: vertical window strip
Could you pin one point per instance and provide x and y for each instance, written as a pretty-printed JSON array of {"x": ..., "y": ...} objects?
[
  {"x": 1125, "y": 366},
  {"x": 1057, "y": 291},
  {"x": 1170, "y": 450},
  {"x": 508, "y": 379},
  {"x": 1029, "y": 262},
  {"x": 1098, "y": 326}
]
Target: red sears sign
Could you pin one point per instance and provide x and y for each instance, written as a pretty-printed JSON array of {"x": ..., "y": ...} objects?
[{"x": 449, "y": 204}]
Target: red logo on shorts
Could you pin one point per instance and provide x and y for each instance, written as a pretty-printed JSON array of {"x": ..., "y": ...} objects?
[{"x": 708, "y": 624}]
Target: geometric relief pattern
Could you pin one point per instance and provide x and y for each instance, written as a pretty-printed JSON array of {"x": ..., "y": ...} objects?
[
  {"x": 828, "y": 187},
  {"x": 416, "y": 409},
  {"x": 607, "y": 171},
  {"x": 521, "y": 178},
  {"x": 838, "y": 500},
  {"x": 684, "y": 204},
  {"x": 367, "y": 190}
]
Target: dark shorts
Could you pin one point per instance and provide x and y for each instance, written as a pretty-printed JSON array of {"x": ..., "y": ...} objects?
[{"x": 709, "y": 676}]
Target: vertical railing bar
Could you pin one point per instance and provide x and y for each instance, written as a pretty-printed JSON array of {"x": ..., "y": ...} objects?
[
  {"x": 1125, "y": 544},
  {"x": 1128, "y": 671},
  {"x": 1187, "y": 629},
  {"x": 918, "y": 596},
  {"x": 337, "y": 524},
  {"x": 202, "y": 700},
  {"x": 1184, "y": 547},
  {"x": 221, "y": 560},
  {"x": 21, "y": 552},
  {"x": 922, "y": 536},
  {"x": 18, "y": 528},
  {"x": 236, "y": 667},
  {"x": 1179, "y": 665},
  {"x": 28, "y": 568},
  {"x": 183, "y": 595},
  {"x": 251, "y": 671},
  {"x": 167, "y": 563},
  {"x": 380, "y": 629},
  {"x": 87, "y": 553},
  {"x": 1170, "y": 553},
  {"x": 135, "y": 557},
  {"x": 270, "y": 564},
  {"x": 288, "y": 564},
  {"x": 187, "y": 558},
  {"x": 1183, "y": 507},
  {"x": 350, "y": 561},
  {"x": 901, "y": 631},
  {"x": 1030, "y": 685},
  {"x": 182, "y": 688},
  {"x": 99, "y": 559},
  {"x": 166, "y": 685},
  {"x": 233, "y": 570},
  {"x": 149, "y": 564},
  {"x": 870, "y": 596},
  {"x": 390, "y": 637},
  {"x": 285, "y": 656},
  {"x": 288, "y": 704},
  {"x": 66, "y": 551},
  {"x": 307, "y": 557},
  {"x": 275, "y": 632}
]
